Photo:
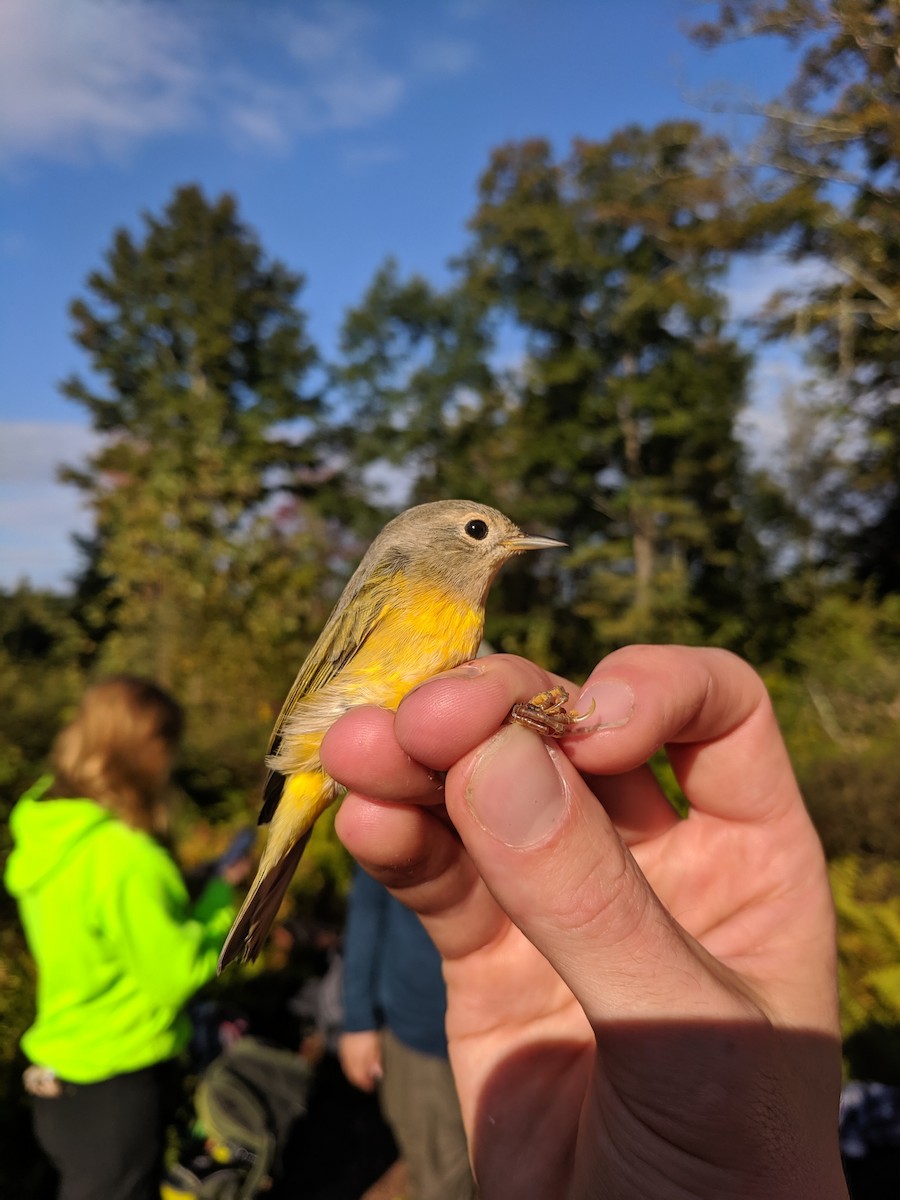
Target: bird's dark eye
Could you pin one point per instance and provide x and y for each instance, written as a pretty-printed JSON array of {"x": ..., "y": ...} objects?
[{"x": 477, "y": 530}]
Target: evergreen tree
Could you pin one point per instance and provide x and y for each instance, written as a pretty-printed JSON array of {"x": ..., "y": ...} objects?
[
  {"x": 414, "y": 374},
  {"x": 207, "y": 565},
  {"x": 608, "y": 261},
  {"x": 611, "y": 422}
]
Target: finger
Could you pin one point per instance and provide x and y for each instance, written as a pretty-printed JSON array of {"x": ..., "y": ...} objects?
[
  {"x": 361, "y": 752},
  {"x": 639, "y": 699},
  {"x": 450, "y": 714},
  {"x": 427, "y": 868},
  {"x": 712, "y": 712},
  {"x": 552, "y": 859},
  {"x": 772, "y": 906},
  {"x": 422, "y": 861}
]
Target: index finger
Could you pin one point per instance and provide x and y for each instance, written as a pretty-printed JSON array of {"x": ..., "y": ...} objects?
[
  {"x": 707, "y": 707},
  {"x": 712, "y": 713}
]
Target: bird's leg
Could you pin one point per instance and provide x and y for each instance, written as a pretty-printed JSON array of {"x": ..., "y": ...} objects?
[{"x": 546, "y": 714}]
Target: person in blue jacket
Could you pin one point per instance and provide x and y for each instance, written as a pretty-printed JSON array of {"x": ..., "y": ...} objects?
[{"x": 393, "y": 1037}]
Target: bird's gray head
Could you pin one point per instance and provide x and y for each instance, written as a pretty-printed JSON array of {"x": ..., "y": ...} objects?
[{"x": 459, "y": 545}]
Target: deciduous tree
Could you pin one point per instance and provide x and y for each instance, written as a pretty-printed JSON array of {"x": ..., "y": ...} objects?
[{"x": 828, "y": 173}]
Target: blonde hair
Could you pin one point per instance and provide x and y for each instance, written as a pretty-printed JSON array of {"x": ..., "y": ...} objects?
[{"x": 118, "y": 749}]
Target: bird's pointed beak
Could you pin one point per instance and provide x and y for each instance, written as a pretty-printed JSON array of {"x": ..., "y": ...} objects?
[{"x": 524, "y": 541}]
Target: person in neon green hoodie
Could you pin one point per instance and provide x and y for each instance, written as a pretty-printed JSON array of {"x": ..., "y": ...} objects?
[{"x": 118, "y": 946}]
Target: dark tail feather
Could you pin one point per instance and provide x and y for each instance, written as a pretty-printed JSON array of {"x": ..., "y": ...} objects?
[{"x": 253, "y": 922}]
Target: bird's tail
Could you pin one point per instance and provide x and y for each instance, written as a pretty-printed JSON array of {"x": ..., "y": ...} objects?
[{"x": 253, "y": 922}]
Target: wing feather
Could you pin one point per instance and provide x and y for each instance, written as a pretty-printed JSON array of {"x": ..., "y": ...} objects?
[{"x": 364, "y": 603}]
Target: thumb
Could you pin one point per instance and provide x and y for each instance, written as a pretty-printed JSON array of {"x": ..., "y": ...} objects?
[{"x": 552, "y": 859}]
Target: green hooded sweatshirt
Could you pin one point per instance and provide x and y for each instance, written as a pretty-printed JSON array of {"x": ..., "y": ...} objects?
[{"x": 118, "y": 949}]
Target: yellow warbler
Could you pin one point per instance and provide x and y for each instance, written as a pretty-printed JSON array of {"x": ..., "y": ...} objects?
[{"x": 414, "y": 607}]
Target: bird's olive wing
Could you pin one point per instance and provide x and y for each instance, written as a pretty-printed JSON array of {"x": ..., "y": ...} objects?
[
  {"x": 359, "y": 610},
  {"x": 363, "y": 604}
]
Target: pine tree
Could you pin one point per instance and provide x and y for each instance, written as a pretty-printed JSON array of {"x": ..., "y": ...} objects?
[
  {"x": 207, "y": 541},
  {"x": 577, "y": 374}
]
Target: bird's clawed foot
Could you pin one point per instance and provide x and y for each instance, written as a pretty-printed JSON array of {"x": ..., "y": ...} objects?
[{"x": 546, "y": 714}]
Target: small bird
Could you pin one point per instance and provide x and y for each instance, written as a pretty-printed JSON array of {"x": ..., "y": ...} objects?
[{"x": 413, "y": 607}]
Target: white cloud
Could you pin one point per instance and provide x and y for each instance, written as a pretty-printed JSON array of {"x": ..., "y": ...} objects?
[
  {"x": 79, "y": 76},
  {"x": 30, "y": 451},
  {"x": 38, "y": 515},
  {"x": 350, "y": 99},
  {"x": 344, "y": 86},
  {"x": 339, "y": 29},
  {"x": 255, "y": 121},
  {"x": 92, "y": 78}
]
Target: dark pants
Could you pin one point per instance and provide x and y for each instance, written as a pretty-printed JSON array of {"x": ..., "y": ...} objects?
[{"x": 107, "y": 1139}]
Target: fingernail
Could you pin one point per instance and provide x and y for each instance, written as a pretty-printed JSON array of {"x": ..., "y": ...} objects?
[
  {"x": 515, "y": 792},
  {"x": 613, "y": 702},
  {"x": 467, "y": 670}
]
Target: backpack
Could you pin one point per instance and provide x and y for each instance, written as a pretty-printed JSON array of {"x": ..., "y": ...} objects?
[{"x": 248, "y": 1101}]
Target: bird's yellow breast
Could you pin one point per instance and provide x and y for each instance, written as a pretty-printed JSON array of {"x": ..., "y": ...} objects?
[
  {"x": 422, "y": 631},
  {"x": 419, "y": 632}
]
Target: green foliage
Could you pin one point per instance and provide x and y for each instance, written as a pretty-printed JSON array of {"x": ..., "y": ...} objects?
[
  {"x": 833, "y": 138},
  {"x": 867, "y": 901},
  {"x": 837, "y": 694},
  {"x": 40, "y": 681},
  {"x": 638, "y": 290},
  {"x": 848, "y": 650}
]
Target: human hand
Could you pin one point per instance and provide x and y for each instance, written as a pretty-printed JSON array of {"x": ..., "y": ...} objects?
[
  {"x": 636, "y": 1003},
  {"x": 360, "y": 1058}
]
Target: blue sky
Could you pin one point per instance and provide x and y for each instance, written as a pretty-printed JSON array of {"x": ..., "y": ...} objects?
[{"x": 349, "y": 130}]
